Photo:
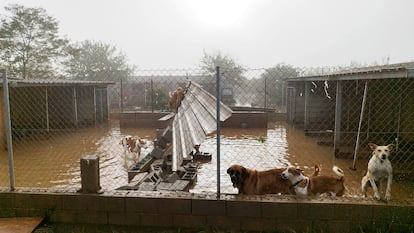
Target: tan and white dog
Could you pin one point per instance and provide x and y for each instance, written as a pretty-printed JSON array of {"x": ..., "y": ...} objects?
[
  {"x": 379, "y": 169},
  {"x": 132, "y": 148},
  {"x": 175, "y": 98},
  {"x": 315, "y": 184}
]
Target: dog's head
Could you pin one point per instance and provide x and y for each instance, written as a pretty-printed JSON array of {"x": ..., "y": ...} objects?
[
  {"x": 381, "y": 152},
  {"x": 130, "y": 143},
  {"x": 134, "y": 144},
  {"x": 238, "y": 175},
  {"x": 197, "y": 147},
  {"x": 141, "y": 142},
  {"x": 292, "y": 174}
]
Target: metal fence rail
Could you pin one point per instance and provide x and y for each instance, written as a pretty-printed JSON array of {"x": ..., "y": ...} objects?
[{"x": 279, "y": 118}]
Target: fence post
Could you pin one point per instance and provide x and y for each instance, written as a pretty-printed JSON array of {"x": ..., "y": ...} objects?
[
  {"x": 218, "y": 94},
  {"x": 265, "y": 93},
  {"x": 361, "y": 117},
  {"x": 121, "y": 94},
  {"x": 90, "y": 176},
  {"x": 7, "y": 123},
  {"x": 306, "y": 111},
  {"x": 338, "y": 112},
  {"x": 152, "y": 96}
]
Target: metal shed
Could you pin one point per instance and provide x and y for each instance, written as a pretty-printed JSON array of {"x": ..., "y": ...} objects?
[
  {"x": 348, "y": 109},
  {"x": 51, "y": 105}
]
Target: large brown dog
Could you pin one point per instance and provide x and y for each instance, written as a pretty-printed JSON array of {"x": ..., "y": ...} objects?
[{"x": 250, "y": 181}]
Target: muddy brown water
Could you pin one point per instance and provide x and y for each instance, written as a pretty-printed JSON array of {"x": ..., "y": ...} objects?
[{"x": 53, "y": 160}]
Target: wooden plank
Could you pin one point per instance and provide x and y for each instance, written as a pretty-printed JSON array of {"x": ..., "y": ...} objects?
[
  {"x": 19, "y": 225},
  {"x": 167, "y": 117}
]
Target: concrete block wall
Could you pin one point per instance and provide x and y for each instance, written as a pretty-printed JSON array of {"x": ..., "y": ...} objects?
[
  {"x": 246, "y": 120},
  {"x": 203, "y": 211},
  {"x": 143, "y": 119},
  {"x": 150, "y": 120}
]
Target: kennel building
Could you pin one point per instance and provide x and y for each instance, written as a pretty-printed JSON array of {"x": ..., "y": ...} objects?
[
  {"x": 346, "y": 110},
  {"x": 39, "y": 106}
]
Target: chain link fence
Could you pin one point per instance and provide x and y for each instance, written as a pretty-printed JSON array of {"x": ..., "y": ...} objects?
[
  {"x": 348, "y": 114},
  {"x": 282, "y": 116}
]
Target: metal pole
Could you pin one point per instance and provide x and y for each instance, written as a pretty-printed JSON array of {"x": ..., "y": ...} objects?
[
  {"x": 108, "y": 107},
  {"x": 265, "y": 93},
  {"x": 360, "y": 124},
  {"x": 75, "y": 108},
  {"x": 47, "y": 109},
  {"x": 338, "y": 113},
  {"x": 95, "y": 115},
  {"x": 102, "y": 106},
  {"x": 306, "y": 110},
  {"x": 7, "y": 123},
  {"x": 152, "y": 96},
  {"x": 218, "y": 94},
  {"x": 121, "y": 94},
  {"x": 399, "y": 120}
]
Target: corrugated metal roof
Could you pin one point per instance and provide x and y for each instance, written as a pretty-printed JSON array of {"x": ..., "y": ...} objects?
[
  {"x": 169, "y": 78},
  {"x": 195, "y": 119},
  {"x": 55, "y": 82},
  {"x": 399, "y": 70}
]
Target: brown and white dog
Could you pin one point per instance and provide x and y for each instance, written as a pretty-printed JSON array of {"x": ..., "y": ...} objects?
[
  {"x": 379, "y": 169},
  {"x": 175, "y": 98},
  {"x": 132, "y": 148},
  {"x": 315, "y": 184}
]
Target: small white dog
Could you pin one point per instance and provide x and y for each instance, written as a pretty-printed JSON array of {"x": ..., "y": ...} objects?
[
  {"x": 132, "y": 148},
  {"x": 379, "y": 169}
]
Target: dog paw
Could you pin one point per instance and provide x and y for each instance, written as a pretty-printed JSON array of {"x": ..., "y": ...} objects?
[
  {"x": 377, "y": 196},
  {"x": 387, "y": 197}
]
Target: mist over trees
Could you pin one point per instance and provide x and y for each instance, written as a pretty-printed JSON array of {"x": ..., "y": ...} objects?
[
  {"x": 231, "y": 72},
  {"x": 30, "y": 46},
  {"x": 97, "y": 61},
  {"x": 267, "y": 87},
  {"x": 274, "y": 85}
]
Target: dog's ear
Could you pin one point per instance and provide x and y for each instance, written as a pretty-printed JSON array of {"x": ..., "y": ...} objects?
[
  {"x": 244, "y": 172},
  {"x": 373, "y": 146},
  {"x": 228, "y": 171},
  {"x": 391, "y": 146}
]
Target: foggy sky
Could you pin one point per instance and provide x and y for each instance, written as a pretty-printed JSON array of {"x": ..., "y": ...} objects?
[{"x": 172, "y": 34}]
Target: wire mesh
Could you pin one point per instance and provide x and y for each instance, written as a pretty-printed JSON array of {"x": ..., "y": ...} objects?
[{"x": 277, "y": 120}]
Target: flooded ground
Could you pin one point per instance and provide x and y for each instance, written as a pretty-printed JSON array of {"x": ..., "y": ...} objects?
[
  {"x": 245, "y": 147},
  {"x": 53, "y": 161}
]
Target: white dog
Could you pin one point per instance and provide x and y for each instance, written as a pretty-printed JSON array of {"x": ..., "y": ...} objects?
[
  {"x": 132, "y": 148},
  {"x": 379, "y": 169}
]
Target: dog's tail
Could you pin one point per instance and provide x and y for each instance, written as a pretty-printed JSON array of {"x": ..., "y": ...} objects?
[
  {"x": 338, "y": 171},
  {"x": 316, "y": 171}
]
